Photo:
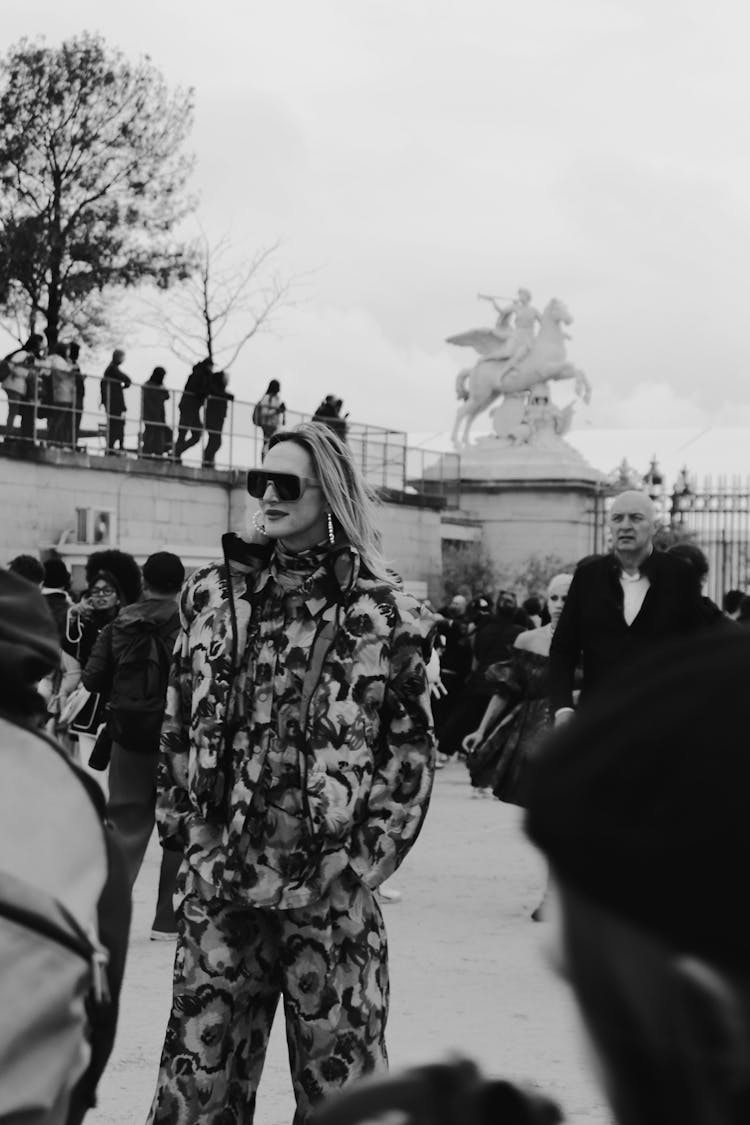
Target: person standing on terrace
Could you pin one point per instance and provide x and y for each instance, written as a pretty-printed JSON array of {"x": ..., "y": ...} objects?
[
  {"x": 270, "y": 413},
  {"x": 190, "y": 430},
  {"x": 217, "y": 405},
  {"x": 19, "y": 381},
  {"x": 114, "y": 382},
  {"x": 157, "y": 435}
]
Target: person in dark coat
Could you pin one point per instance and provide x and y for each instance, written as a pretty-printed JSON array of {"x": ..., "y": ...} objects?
[
  {"x": 217, "y": 404},
  {"x": 157, "y": 435},
  {"x": 28, "y": 567},
  {"x": 620, "y": 605},
  {"x": 74, "y": 352},
  {"x": 114, "y": 382},
  {"x": 329, "y": 413},
  {"x": 132, "y": 773},
  {"x": 190, "y": 429},
  {"x": 640, "y": 805},
  {"x": 492, "y": 640},
  {"x": 697, "y": 561},
  {"x": 113, "y": 580},
  {"x": 452, "y": 641},
  {"x": 731, "y": 603}
]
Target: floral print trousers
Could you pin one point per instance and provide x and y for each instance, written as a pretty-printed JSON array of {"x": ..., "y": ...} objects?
[{"x": 329, "y": 963}]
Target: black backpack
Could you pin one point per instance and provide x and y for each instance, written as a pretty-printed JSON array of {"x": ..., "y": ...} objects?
[{"x": 139, "y": 685}]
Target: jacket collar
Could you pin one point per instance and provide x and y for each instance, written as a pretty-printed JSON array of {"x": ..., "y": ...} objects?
[{"x": 648, "y": 567}]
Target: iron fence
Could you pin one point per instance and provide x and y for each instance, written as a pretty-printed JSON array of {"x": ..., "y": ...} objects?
[
  {"x": 714, "y": 514},
  {"x": 385, "y": 457}
]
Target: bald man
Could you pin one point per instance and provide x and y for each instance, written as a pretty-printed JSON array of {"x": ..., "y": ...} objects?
[{"x": 619, "y": 605}]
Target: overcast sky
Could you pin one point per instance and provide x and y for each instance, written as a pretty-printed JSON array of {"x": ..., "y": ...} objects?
[{"x": 411, "y": 153}]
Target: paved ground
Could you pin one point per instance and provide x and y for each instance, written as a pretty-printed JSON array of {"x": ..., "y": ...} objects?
[{"x": 469, "y": 971}]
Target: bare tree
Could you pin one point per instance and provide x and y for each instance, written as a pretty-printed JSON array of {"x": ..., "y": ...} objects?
[{"x": 226, "y": 301}]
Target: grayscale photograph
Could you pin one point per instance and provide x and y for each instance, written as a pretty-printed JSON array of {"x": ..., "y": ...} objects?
[{"x": 374, "y": 562}]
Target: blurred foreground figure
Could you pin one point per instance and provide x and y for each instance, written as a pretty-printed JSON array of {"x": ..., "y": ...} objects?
[
  {"x": 640, "y": 804},
  {"x": 641, "y": 807},
  {"x": 452, "y": 1093},
  {"x": 64, "y": 905}
]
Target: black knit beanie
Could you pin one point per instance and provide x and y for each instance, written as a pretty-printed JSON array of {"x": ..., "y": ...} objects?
[{"x": 641, "y": 801}]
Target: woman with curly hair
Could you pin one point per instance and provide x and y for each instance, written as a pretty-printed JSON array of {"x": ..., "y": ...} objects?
[
  {"x": 113, "y": 580},
  {"x": 296, "y": 767}
]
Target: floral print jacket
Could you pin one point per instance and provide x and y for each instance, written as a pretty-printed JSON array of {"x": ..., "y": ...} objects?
[{"x": 351, "y": 789}]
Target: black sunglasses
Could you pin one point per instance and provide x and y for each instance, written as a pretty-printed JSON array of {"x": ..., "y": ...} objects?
[{"x": 287, "y": 486}]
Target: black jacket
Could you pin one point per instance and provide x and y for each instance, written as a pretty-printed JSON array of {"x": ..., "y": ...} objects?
[
  {"x": 154, "y": 400},
  {"x": 592, "y": 630},
  {"x": 113, "y": 382},
  {"x": 99, "y": 671},
  {"x": 217, "y": 402},
  {"x": 194, "y": 394}
]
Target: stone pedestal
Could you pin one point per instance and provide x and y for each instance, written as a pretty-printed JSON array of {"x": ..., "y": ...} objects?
[{"x": 531, "y": 500}]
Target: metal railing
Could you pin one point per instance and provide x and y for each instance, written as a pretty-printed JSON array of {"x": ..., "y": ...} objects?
[
  {"x": 714, "y": 514},
  {"x": 387, "y": 461}
]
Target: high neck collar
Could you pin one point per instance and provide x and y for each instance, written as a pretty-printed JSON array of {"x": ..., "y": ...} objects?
[{"x": 293, "y": 568}]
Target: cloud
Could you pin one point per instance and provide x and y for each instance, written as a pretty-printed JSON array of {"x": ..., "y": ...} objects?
[
  {"x": 327, "y": 349},
  {"x": 412, "y": 154},
  {"x": 645, "y": 406}
]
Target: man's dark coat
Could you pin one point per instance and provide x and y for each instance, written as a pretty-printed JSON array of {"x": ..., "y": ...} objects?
[{"x": 592, "y": 631}]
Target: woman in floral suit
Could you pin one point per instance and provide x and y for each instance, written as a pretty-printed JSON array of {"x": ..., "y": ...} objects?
[{"x": 296, "y": 769}]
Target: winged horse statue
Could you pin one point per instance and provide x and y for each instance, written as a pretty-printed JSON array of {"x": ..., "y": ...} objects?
[{"x": 492, "y": 377}]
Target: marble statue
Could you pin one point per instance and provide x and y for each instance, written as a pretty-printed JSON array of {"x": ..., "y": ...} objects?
[
  {"x": 539, "y": 422},
  {"x": 516, "y": 360}
]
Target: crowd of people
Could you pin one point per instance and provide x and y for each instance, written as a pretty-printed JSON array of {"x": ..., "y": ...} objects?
[
  {"x": 51, "y": 388},
  {"x": 276, "y": 715}
]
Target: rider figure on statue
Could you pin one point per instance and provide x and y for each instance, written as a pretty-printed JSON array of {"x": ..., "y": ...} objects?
[{"x": 515, "y": 343}]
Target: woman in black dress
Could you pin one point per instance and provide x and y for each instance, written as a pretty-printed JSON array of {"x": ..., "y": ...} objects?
[
  {"x": 157, "y": 435},
  {"x": 518, "y": 713}
]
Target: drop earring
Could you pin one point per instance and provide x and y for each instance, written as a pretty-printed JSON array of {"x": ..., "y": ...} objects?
[
  {"x": 331, "y": 536},
  {"x": 257, "y": 524}
]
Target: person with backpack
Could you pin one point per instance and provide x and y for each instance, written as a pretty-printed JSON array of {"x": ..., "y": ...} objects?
[
  {"x": 269, "y": 414},
  {"x": 19, "y": 381},
  {"x": 129, "y": 664},
  {"x": 64, "y": 902}
]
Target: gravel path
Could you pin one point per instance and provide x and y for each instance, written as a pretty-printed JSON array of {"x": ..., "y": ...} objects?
[{"x": 469, "y": 971}]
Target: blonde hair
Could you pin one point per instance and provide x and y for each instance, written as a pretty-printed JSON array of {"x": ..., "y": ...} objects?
[{"x": 347, "y": 493}]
